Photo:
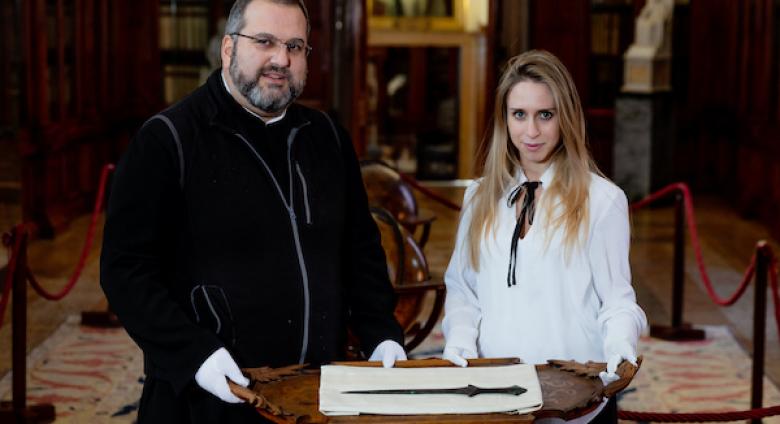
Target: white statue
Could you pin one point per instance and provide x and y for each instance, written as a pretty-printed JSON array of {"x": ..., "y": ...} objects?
[{"x": 648, "y": 61}]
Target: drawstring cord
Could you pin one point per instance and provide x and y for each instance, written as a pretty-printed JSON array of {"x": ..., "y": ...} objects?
[{"x": 527, "y": 210}]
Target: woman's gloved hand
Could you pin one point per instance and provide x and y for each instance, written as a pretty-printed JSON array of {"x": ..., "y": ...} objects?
[
  {"x": 211, "y": 375},
  {"x": 617, "y": 353},
  {"x": 458, "y": 356},
  {"x": 388, "y": 352}
]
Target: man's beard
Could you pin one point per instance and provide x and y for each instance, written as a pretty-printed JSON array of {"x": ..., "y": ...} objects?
[{"x": 267, "y": 100}]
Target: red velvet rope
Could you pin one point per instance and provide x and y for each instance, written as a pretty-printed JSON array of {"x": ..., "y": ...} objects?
[
  {"x": 428, "y": 192},
  {"x": 699, "y": 417},
  {"x": 107, "y": 169},
  {"x": 15, "y": 238},
  {"x": 690, "y": 220},
  {"x": 773, "y": 282}
]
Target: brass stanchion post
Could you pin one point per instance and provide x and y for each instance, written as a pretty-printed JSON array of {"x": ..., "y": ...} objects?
[
  {"x": 759, "y": 328},
  {"x": 17, "y": 410},
  {"x": 678, "y": 330}
]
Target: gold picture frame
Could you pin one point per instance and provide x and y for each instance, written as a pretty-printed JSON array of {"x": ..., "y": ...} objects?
[{"x": 420, "y": 15}]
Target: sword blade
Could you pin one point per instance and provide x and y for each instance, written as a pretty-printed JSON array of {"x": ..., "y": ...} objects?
[
  {"x": 469, "y": 391},
  {"x": 408, "y": 391}
]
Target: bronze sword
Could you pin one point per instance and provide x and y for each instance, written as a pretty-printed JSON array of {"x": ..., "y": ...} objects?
[{"x": 469, "y": 391}]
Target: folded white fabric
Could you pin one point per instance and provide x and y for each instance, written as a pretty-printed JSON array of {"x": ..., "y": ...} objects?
[{"x": 337, "y": 379}]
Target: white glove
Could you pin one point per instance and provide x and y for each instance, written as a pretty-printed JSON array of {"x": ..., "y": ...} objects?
[
  {"x": 458, "y": 355},
  {"x": 616, "y": 353},
  {"x": 388, "y": 352},
  {"x": 211, "y": 375}
]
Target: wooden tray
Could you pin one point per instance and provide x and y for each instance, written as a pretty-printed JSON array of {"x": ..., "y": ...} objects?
[{"x": 569, "y": 390}]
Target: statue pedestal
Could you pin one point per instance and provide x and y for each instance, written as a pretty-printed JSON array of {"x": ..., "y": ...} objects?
[
  {"x": 646, "y": 72},
  {"x": 644, "y": 142}
]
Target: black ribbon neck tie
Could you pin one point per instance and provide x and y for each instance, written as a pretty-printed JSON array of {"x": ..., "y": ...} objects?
[{"x": 527, "y": 210}]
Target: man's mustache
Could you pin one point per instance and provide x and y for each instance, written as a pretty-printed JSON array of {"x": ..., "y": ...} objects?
[{"x": 276, "y": 69}]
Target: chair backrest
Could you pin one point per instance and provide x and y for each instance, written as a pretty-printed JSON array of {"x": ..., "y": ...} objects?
[
  {"x": 386, "y": 189},
  {"x": 406, "y": 264}
]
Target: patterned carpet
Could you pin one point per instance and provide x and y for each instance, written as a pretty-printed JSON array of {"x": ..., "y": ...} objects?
[
  {"x": 712, "y": 375},
  {"x": 95, "y": 375},
  {"x": 90, "y": 375}
]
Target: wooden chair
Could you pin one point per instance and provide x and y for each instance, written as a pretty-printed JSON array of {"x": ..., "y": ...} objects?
[
  {"x": 387, "y": 190},
  {"x": 408, "y": 271}
]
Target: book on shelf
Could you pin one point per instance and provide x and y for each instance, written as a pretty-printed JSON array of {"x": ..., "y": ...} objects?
[
  {"x": 180, "y": 80},
  {"x": 605, "y": 33},
  {"x": 184, "y": 27}
]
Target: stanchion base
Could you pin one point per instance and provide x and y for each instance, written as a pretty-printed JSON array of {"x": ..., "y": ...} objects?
[
  {"x": 43, "y": 413},
  {"x": 101, "y": 319},
  {"x": 682, "y": 333}
]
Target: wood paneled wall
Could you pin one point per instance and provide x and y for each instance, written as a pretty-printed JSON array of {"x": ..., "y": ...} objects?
[
  {"x": 563, "y": 28},
  {"x": 347, "y": 76},
  {"x": 91, "y": 75},
  {"x": 317, "y": 93},
  {"x": 758, "y": 151},
  {"x": 705, "y": 155},
  {"x": 729, "y": 139},
  {"x": 8, "y": 39}
]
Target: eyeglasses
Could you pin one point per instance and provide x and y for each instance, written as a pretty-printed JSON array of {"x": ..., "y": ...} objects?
[{"x": 268, "y": 43}]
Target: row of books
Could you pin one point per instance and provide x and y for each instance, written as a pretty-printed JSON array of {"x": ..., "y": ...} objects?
[
  {"x": 612, "y": 2},
  {"x": 184, "y": 27},
  {"x": 605, "y": 33},
  {"x": 180, "y": 80}
]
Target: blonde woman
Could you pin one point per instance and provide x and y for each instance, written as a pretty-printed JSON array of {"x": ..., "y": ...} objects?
[{"x": 540, "y": 268}]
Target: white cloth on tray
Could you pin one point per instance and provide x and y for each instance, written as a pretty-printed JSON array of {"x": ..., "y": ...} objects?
[{"x": 336, "y": 379}]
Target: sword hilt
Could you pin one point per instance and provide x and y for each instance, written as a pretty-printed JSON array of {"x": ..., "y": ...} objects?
[{"x": 472, "y": 390}]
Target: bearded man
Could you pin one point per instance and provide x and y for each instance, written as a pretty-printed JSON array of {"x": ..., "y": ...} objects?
[{"x": 238, "y": 232}]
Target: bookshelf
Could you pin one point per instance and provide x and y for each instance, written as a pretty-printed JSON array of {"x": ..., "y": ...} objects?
[
  {"x": 611, "y": 32},
  {"x": 440, "y": 69},
  {"x": 186, "y": 27}
]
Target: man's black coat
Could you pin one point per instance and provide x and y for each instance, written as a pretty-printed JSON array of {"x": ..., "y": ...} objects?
[{"x": 253, "y": 237}]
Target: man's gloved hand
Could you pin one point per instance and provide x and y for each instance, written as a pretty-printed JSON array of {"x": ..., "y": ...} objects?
[
  {"x": 458, "y": 355},
  {"x": 388, "y": 352},
  {"x": 616, "y": 353},
  {"x": 211, "y": 375}
]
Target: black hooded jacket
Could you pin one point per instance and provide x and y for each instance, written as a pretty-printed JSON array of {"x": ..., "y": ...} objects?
[{"x": 249, "y": 236}]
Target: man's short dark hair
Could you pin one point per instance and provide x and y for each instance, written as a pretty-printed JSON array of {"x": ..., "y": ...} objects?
[{"x": 235, "y": 21}]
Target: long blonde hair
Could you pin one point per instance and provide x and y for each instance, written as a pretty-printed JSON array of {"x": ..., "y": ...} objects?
[{"x": 568, "y": 192}]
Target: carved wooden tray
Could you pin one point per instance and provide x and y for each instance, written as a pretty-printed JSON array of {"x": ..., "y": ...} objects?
[{"x": 569, "y": 390}]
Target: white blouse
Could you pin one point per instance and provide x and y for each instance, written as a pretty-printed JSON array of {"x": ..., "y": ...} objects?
[{"x": 558, "y": 309}]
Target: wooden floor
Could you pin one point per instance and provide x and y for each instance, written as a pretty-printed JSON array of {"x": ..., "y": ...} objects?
[{"x": 728, "y": 242}]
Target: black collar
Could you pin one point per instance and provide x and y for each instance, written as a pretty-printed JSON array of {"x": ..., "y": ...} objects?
[{"x": 228, "y": 113}]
